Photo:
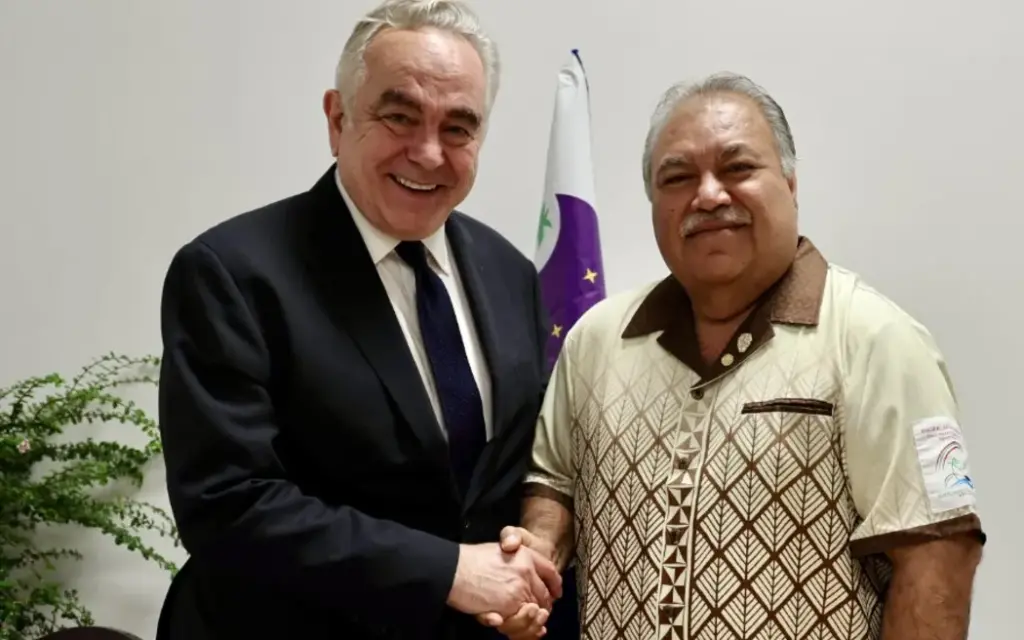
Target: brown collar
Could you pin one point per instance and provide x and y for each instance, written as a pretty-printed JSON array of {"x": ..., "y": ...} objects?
[{"x": 794, "y": 299}]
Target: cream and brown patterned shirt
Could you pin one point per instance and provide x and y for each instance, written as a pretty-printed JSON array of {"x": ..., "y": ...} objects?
[{"x": 753, "y": 497}]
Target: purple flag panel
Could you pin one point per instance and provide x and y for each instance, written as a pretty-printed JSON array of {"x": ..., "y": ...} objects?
[{"x": 571, "y": 280}]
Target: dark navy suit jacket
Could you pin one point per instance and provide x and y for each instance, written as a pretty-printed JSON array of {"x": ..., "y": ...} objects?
[{"x": 306, "y": 470}]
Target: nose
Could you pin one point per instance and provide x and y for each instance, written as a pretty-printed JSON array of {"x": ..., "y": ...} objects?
[
  {"x": 711, "y": 193},
  {"x": 427, "y": 151}
]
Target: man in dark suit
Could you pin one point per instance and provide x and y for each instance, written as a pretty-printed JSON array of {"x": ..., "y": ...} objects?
[{"x": 351, "y": 376}]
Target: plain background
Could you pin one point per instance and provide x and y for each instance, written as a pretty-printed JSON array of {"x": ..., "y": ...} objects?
[{"x": 129, "y": 126}]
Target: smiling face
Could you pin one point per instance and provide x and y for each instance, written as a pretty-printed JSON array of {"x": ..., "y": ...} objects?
[
  {"x": 724, "y": 212},
  {"x": 407, "y": 154}
]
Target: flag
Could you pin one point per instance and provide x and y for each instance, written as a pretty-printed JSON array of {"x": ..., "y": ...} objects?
[{"x": 568, "y": 257}]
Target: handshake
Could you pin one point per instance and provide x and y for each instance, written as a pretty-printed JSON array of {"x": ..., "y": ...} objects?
[{"x": 509, "y": 585}]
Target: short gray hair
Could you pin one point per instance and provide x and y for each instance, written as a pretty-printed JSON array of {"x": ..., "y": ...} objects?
[
  {"x": 453, "y": 16},
  {"x": 723, "y": 82}
]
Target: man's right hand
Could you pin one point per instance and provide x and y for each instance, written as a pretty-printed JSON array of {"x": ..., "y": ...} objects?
[
  {"x": 528, "y": 621},
  {"x": 489, "y": 580}
]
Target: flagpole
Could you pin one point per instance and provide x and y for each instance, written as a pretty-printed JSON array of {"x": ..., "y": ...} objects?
[{"x": 568, "y": 254}]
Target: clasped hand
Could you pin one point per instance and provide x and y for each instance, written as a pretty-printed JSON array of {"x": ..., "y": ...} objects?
[
  {"x": 509, "y": 585},
  {"x": 529, "y": 619}
]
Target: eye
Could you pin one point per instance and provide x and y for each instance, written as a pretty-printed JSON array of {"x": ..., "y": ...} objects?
[
  {"x": 458, "y": 132},
  {"x": 741, "y": 167},
  {"x": 676, "y": 179},
  {"x": 398, "y": 118},
  {"x": 457, "y": 135}
]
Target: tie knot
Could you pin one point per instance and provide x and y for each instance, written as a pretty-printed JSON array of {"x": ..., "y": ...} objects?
[{"x": 414, "y": 253}]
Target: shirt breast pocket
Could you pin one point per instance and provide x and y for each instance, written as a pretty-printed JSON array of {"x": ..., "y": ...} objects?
[
  {"x": 801, "y": 428},
  {"x": 806, "y": 406},
  {"x": 782, "y": 463}
]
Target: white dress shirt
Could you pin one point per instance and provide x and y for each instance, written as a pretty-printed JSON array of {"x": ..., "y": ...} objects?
[{"x": 400, "y": 283}]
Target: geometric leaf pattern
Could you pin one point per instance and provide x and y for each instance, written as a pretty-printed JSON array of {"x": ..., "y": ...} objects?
[
  {"x": 712, "y": 501},
  {"x": 773, "y": 518},
  {"x": 698, "y": 522}
]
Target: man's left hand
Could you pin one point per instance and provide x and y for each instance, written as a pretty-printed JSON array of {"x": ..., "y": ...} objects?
[{"x": 527, "y": 623}]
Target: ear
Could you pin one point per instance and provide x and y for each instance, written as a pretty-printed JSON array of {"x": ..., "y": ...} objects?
[
  {"x": 791, "y": 181},
  {"x": 334, "y": 110}
]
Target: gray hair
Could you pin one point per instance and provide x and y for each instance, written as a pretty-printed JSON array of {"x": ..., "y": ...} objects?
[
  {"x": 453, "y": 16},
  {"x": 724, "y": 82}
]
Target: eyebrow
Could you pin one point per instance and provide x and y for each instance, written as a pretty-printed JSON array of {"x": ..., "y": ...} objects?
[
  {"x": 396, "y": 97},
  {"x": 683, "y": 161},
  {"x": 737, "y": 149},
  {"x": 673, "y": 162}
]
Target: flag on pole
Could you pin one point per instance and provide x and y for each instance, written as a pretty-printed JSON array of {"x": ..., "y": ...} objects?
[{"x": 568, "y": 256}]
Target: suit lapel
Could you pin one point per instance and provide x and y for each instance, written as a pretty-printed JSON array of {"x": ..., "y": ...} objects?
[
  {"x": 479, "y": 278},
  {"x": 363, "y": 309}
]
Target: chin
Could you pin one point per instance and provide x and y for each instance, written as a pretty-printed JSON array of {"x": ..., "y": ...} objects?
[
  {"x": 716, "y": 278},
  {"x": 718, "y": 268},
  {"x": 413, "y": 225}
]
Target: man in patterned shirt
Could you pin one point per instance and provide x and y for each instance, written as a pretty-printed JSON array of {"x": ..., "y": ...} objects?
[{"x": 760, "y": 445}]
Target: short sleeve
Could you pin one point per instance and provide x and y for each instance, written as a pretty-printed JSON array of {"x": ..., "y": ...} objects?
[
  {"x": 906, "y": 452},
  {"x": 551, "y": 474}
]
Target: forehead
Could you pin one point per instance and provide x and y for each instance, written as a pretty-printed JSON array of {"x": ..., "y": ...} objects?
[
  {"x": 708, "y": 124},
  {"x": 437, "y": 68}
]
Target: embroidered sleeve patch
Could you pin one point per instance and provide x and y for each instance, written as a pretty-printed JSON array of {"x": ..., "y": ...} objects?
[{"x": 943, "y": 458}]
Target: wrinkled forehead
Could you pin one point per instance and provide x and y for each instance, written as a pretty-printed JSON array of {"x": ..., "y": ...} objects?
[
  {"x": 711, "y": 127},
  {"x": 427, "y": 69}
]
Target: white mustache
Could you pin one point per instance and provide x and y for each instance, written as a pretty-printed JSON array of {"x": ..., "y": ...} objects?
[{"x": 728, "y": 216}]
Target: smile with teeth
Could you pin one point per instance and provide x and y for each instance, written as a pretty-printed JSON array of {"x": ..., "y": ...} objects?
[{"x": 415, "y": 186}]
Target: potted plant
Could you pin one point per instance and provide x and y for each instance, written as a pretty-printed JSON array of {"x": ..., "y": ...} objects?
[{"x": 48, "y": 476}]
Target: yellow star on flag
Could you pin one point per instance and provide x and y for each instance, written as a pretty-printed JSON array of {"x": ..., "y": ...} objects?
[
  {"x": 590, "y": 276},
  {"x": 557, "y": 331}
]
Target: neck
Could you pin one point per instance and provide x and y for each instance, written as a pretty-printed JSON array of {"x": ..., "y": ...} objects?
[
  {"x": 718, "y": 306},
  {"x": 717, "y": 314}
]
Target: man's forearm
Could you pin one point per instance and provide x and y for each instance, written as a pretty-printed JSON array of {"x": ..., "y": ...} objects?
[
  {"x": 551, "y": 521},
  {"x": 930, "y": 593}
]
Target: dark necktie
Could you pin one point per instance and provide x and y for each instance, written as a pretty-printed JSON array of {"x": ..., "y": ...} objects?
[{"x": 456, "y": 389}]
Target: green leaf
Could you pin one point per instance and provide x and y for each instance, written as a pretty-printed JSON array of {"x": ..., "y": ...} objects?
[{"x": 35, "y": 411}]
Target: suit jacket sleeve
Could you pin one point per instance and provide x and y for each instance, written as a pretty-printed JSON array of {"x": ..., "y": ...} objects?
[{"x": 233, "y": 501}]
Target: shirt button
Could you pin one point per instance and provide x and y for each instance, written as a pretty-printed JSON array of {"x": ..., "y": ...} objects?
[{"x": 697, "y": 394}]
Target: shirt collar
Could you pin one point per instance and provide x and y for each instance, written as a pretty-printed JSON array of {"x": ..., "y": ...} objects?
[
  {"x": 795, "y": 299},
  {"x": 380, "y": 244}
]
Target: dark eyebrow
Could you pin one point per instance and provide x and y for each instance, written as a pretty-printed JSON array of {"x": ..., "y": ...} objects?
[
  {"x": 470, "y": 118},
  {"x": 396, "y": 97}
]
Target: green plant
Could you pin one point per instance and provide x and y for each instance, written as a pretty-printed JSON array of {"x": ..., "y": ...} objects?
[{"x": 47, "y": 477}]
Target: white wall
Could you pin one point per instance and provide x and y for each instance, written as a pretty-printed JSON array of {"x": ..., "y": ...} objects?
[{"x": 126, "y": 127}]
